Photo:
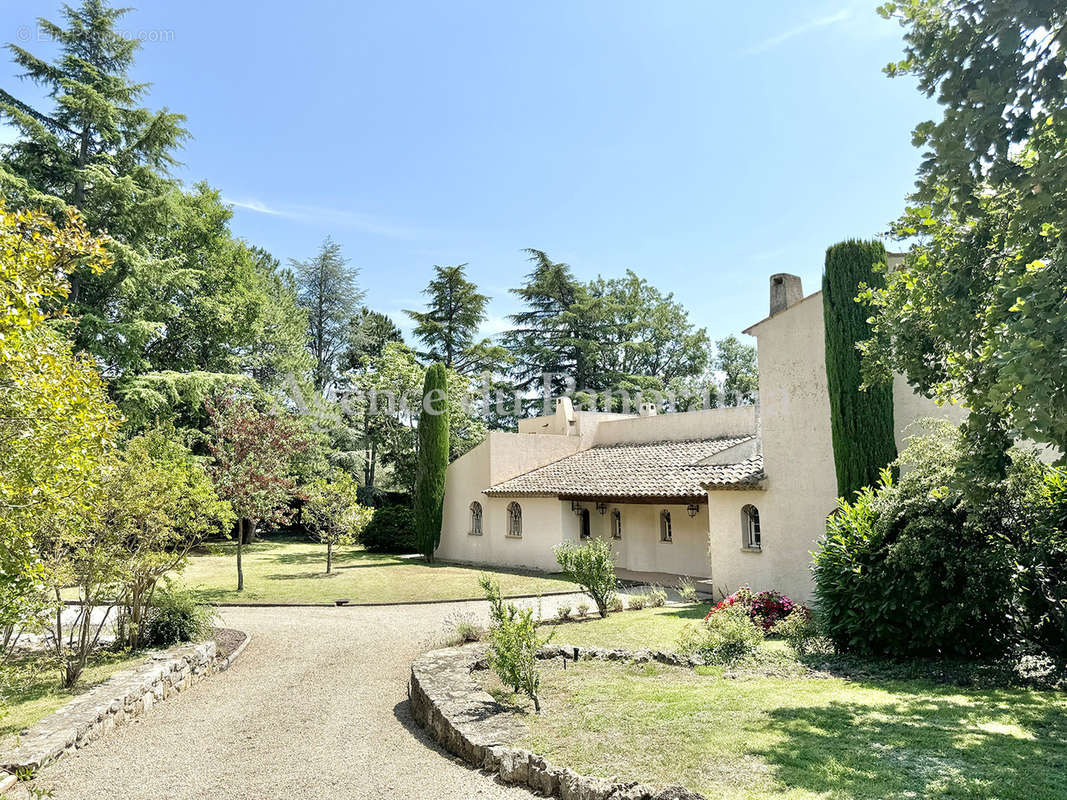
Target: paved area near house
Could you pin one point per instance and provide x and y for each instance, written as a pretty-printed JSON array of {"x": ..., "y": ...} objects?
[{"x": 316, "y": 707}]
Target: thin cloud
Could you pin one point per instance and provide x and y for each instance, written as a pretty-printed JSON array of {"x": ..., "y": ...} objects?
[
  {"x": 800, "y": 30},
  {"x": 333, "y": 217}
]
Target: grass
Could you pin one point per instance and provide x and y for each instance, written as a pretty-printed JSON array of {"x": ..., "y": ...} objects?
[
  {"x": 649, "y": 628},
  {"x": 31, "y": 687},
  {"x": 293, "y": 570},
  {"x": 756, "y": 735}
]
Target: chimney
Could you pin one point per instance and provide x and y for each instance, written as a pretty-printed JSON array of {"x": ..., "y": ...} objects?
[
  {"x": 786, "y": 290},
  {"x": 648, "y": 409}
]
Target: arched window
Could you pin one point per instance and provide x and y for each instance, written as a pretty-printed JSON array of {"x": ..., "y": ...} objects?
[
  {"x": 514, "y": 520},
  {"x": 616, "y": 524},
  {"x": 584, "y": 531},
  {"x": 665, "y": 533},
  {"x": 476, "y": 519},
  {"x": 750, "y": 534}
]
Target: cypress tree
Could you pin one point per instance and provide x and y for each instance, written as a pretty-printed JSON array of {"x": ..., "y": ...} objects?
[
  {"x": 433, "y": 461},
  {"x": 861, "y": 421}
]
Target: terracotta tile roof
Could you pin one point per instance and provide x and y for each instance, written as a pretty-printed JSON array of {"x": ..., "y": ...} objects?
[{"x": 653, "y": 469}]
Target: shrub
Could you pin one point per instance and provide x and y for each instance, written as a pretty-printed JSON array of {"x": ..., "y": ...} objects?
[
  {"x": 176, "y": 616},
  {"x": 563, "y": 613},
  {"x": 582, "y": 609},
  {"x": 637, "y": 601},
  {"x": 724, "y": 637},
  {"x": 513, "y": 643},
  {"x": 657, "y": 597},
  {"x": 615, "y": 604},
  {"x": 461, "y": 628},
  {"x": 769, "y": 608},
  {"x": 391, "y": 530},
  {"x": 688, "y": 590},
  {"x": 592, "y": 567},
  {"x": 913, "y": 568},
  {"x": 799, "y": 631}
]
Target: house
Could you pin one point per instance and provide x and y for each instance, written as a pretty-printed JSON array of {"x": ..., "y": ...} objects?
[{"x": 731, "y": 495}]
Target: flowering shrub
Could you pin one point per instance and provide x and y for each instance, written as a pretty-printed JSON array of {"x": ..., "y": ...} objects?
[
  {"x": 765, "y": 608},
  {"x": 725, "y": 637}
]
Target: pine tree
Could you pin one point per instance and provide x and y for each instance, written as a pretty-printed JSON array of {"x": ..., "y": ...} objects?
[
  {"x": 552, "y": 336},
  {"x": 447, "y": 328},
  {"x": 433, "y": 461},
  {"x": 330, "y": 295},
  {"x": 861, "y": 420}
]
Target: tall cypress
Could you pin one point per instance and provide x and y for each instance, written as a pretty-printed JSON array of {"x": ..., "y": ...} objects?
[
  {"x": 861, "y": 421},
  {"x": 433, "y": 461}
]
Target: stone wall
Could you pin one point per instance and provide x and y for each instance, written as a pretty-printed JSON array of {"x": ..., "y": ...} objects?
[
  {"x": 119, "y": 699},
  {"x": 465, "y": 720}
]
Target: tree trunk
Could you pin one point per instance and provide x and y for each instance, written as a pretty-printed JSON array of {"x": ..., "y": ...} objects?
[
  {"x": 240, "y": 540},
  {"x": 329, "y": 555}
]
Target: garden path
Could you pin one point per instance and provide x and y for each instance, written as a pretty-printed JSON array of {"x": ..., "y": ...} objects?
[{"x": 315, "y": 707}]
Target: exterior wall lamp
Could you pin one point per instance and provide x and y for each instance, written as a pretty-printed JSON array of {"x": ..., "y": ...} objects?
[
  {"x": 602, "y": 508},
  {"x": 692, "y": 508},
  {"x": 576, "y": 506}
]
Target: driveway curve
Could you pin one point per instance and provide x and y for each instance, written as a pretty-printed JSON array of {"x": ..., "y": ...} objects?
[{"x": 315, "y": 707}]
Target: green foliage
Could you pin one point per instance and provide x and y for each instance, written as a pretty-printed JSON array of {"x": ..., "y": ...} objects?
[
  {"x": 329, "y": 294},
  {"x": 636, "y": 602},
  {"x": 563, "y": 612},
  {"x": 158, "y": 503},
  {"x": 176, "y": 616},
  {"x": 617, "y": 334},
  {"x": 57, "y": 426},
  {"x": 592, "y": 567},
  {"x": 800, "y": 631},
  {"x": 738, "y": 361},
  {"x": 861, "y": 418},
  {"x": 448, "y": 327},
  {"x": 688, "y": 590},
  {"x": 513, "y": 643},
  {"x": 391, "y": 530},
  {"x": 332, "y": 513},
  {"x": 615, "y": 604},
  {"x": 976, "y": 311},
  {"x": 657, "y": 597},
  {"x": 433, "y": 461},
  {"x": 725, "y": 637},
  {"x": 913, "y": 568}
]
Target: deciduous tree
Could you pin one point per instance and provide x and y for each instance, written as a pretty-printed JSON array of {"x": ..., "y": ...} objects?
[{"x": 332, "y": 512}]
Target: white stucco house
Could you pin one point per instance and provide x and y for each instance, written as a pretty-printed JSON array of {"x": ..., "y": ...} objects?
[{"x": 730, "y": 495}]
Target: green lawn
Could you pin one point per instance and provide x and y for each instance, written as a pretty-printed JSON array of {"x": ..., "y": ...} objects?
[
  {"x": 291, "y": 570},
  {"x": 31, "y": 688},
  {"x": 758, "y": 736},
  {"x": 649, "y": 628}
]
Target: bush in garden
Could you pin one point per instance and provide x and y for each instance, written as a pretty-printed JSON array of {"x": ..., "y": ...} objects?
[
  {"x": 563, "y": 613},
  {"x": 615, "y": 604},
  {"x": 592, "y": 567},
  {"x": 583, "y": 609},
  {"x": 688, "y": 590},
  {"x": 657, "y": 597},
  {"x": 799, "y": 630},
  {"x": 914, "y": 568},
  {"x": 636, "y": 602},
  {"x": 770, "y": 607},
  {"x": 513, "y": 643},
  {"x": 724, "y": 637},
  {"x": 391, "y": 530},
  {"x": 176, "y": 616}
]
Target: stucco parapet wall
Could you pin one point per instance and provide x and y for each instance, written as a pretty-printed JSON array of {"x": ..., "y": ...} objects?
[
  {"x": 116, "y": 701},
  {"x": 462, "y": 717}
]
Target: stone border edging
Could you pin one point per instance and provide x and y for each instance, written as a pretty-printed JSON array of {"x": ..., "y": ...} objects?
[
  {"x": 467, "y": 721},
  {"x": 119, "y": 699}
]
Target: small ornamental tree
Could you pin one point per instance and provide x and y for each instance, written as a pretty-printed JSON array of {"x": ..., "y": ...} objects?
[
  {"x": 433, "y": 461},
  {"x": 861, "y": 418},
  {"x": 591, "y": 566},
  {"x": 253, "y": 454},
  {"x": 332, "y": 512}
]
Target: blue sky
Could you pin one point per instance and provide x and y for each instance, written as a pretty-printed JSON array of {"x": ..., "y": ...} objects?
[{"x": 704, "y": 145}]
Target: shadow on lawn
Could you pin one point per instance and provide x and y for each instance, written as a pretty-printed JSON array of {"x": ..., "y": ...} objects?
[{"x": 924, "y": 746}]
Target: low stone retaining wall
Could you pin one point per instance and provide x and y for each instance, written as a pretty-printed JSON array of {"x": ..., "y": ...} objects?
[
  {"x": 117, "y": 700},
  {"x": 461, "y": 716}
]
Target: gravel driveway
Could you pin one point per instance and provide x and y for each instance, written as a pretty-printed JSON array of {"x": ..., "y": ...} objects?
[{"x": 315, "y": 707}]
